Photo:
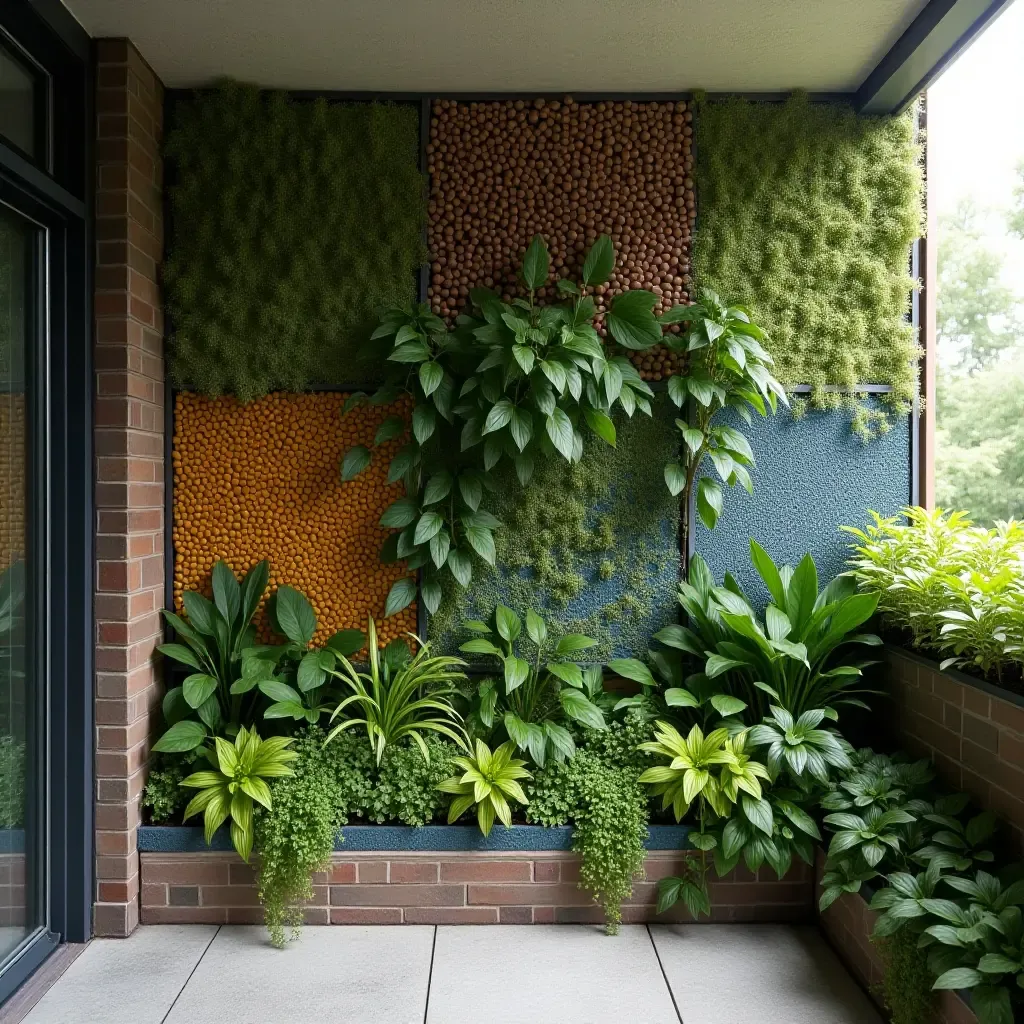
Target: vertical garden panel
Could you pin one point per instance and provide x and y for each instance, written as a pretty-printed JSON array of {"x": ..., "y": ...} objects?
[
  {"x": 595, "y": 546},
  {"x": 812, "y": 476}
]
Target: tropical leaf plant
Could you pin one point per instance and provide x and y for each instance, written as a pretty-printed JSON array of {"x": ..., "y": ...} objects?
[
  {"x": 510, "y": 382},
  {"x": 956, "y": 588},
  {"x": 536, "y": 696},
  {"x": 489, "y": 782},
  {"x": 237, "y": 783},
  {"x": 399, "y": 696},
  {"x": 799, "y": 746},
  {"x": 212, "y": 636},
  {"x": 728, "y": 370},
  {"x": 797, "y": 655}
]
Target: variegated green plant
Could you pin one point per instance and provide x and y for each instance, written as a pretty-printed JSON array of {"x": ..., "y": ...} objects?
[
  {"x": 236, "y": 784},
  {"x": 400, "y": 696},
  {"x": 489, "y": 781}
]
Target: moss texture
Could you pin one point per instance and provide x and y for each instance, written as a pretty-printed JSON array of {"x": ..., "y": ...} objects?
[
  {"x": 807, "y": 213},
  {"x": 292, "y": 223},
  {"x": 594, "y": 546}
]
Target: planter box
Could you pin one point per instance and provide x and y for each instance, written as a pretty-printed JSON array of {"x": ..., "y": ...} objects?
[
  {"x": 12, "y": 877},
  {"x": 445, "y": 875},
  {"x": 972, "y": 730},
  {"x": 848, "y": 924}
]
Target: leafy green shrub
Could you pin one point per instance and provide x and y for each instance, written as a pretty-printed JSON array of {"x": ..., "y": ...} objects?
[
  {"x": 957, "y": 589},
  {"x": 12, "y": 792},
  {"x": 405, "y": 786},
  {"x": 812, "y": 209},
  {"x": 598, "y": 790},
  {"x": 163, "y": 796},
  {"x": 489, "y": 782},
  {"x": 796, "y": 655},
  {"x": 292, "y": 222}
]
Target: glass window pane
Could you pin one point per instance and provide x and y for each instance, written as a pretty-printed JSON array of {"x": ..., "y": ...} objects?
[
  {"x": 20, "y": 718},
  {"x": 19, "y": 93}
]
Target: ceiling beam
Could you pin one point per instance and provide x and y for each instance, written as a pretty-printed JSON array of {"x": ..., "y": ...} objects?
[{"x": 934, "y": 39}]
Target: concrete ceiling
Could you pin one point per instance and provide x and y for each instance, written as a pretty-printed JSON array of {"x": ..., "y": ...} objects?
[{"x": 438, "y": 46}]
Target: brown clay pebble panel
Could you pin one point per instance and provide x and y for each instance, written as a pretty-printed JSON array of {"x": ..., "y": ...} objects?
[
  {"x": 262, "y": 480},
  {"x": 502, "y": 172}
]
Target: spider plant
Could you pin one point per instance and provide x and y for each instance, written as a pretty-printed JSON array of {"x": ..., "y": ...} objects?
[{"x": 400, "y": 695}]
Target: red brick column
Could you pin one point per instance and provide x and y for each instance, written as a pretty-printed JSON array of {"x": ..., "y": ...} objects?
[{"x": 129, "y": 463}]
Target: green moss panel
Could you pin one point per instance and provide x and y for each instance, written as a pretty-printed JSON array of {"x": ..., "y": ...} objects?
[
  {"x": 292, "y": 223},
  {"x": 807, "y": 212},
  {"x": 595, "y": 547}
]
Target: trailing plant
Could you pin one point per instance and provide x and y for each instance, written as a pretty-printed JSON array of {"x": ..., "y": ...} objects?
[
  {"x": 213, "y": 636},
  {"x": 598, "y": 790},
  {"x": 795, "y": 654},
  {"x": 821, "y": 241},
  {"x": 292, "y": 222},
  {"x": 957, "y": 589},
  {"x": 534, "y": 699},
  {"x": 690, "y": 776},
  {"x": 511, "y": 381},
  {"x": 400, "y": 696},
  {"x": 237, "y": 783},
  {"x": 489, "y": 781},
  {"x": 728, "y": 369}
]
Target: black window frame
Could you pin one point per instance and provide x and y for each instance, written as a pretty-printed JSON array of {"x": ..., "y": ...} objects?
[{"x": 56, "y": 195}]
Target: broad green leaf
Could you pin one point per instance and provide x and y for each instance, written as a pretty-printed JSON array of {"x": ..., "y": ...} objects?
[
  {"x": 198, "y": 688},
  {"x": 577, "y": 706},
  {"x": 600, "y": 424},
  {"x": 482, "y": 542},
  {"x": 294, "y": 615},
  {"x": 438, "y": 487},
  {"x": 709, "y": 502},
  {"x": 508, "y": 623},
  {"x": 431, "y": 376},
  {"x": 559, "y": 428},
  {"x": 536, "y": 628},
  {"x": 631, "y": 320},
  {"x": 632, "y": 668},
  {"x": 401, "y": 595},
  {"x": 600, "y": 262},
  {"x": 573, "y": 642},
  {"x": 517, "y": 671},
  {"x": 499, "y": 416},
  {"x": 181, "y": 737},
  {"x": 461, "y": 566},
  {"x": 429, "y": 525},
  {"x": 355, "y": 461},
  {"x": 675, "y": 478},
  {"x": 536, "y": 264}
]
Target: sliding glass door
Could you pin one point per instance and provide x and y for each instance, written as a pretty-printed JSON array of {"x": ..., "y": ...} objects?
[{"x": 22, "y": 667}]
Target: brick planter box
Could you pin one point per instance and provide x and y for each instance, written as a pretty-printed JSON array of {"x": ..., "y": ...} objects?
[
  {"x": 848, "y": 923},
  {"x": 509, "y": 884},
  {"x": 972, "y": 730}
]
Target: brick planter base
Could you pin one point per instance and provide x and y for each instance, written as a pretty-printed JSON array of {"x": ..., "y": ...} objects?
[
  {"x": 451, "y": 887},
  {"x": 973, "y": 731},
  {"x": 848, "y": 923}
]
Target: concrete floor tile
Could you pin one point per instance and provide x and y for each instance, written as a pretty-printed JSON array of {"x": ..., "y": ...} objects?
[
  {"x": 558, "y": 974},
  {"x": 345, "y": 975},
  {"x": 758, "y": 974},
  {"x": 125, "y": 981}
]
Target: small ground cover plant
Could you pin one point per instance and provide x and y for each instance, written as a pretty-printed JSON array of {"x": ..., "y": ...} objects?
[{"x": 954, "y": 588}]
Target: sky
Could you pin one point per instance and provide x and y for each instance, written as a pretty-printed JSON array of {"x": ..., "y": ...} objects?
[{"x": 976, "y": 128}]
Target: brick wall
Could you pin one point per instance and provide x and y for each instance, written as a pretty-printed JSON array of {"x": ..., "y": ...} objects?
[
  {"x": 451, "y": 888},
  {"x": 129, "y": 462},
  {"x": 975, "y": 737},
  {"x": 848, "y": 923}
]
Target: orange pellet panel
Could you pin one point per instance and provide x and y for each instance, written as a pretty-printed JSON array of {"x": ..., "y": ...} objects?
[
  {"x": 12, "y": 479},
  {"x": 262, "y": 480}
]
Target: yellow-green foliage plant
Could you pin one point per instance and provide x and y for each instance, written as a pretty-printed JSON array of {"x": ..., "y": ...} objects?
[
  {"x": 292, "y": 222},
  {"x": 810, "y": 210}
]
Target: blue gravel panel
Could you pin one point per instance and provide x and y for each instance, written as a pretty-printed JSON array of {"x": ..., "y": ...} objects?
[
  {"x": 812, "y": 476},
  {"x": 396, "y": 838},
  {"x": 12, "y": 840}
]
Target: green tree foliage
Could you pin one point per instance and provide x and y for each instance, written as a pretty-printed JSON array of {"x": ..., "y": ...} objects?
[
  {"x": 291, "y": 223},
  {"x": 1015, "y": 221},
  {"x": 980, "y": 378},
  {"x": 810, "y": 210}
]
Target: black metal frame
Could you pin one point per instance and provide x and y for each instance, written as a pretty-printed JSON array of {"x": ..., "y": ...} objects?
[{"x": 59, "y": 202}]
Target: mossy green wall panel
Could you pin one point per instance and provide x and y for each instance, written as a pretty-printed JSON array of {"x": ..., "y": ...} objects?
[
  {"x": 292, "y": 223},
  {"x": 806, "y": 212},
  {"x": 594, "y": 546},
  {"x": 812, "y": 476}
]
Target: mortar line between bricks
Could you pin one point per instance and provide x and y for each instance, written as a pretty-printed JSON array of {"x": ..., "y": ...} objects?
[
  {"x": 430, "y": 975},
  {"x": 657, "y": 956},
  {"x": 163, "y": 1019}
]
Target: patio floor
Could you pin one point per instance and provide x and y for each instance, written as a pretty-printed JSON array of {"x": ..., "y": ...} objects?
[{"x": 698, "y": 974}]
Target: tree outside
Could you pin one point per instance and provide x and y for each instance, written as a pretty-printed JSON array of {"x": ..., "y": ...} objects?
[{"x": 977, "y": 186}]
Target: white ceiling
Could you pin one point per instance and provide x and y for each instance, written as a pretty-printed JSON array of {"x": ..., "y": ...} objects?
[{"x": 438, "y": 46}]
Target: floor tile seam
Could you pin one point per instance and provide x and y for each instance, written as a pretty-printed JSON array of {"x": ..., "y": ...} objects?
[
  {"x": 664, "y": 974},
  {"x": 195, "y": 967}
]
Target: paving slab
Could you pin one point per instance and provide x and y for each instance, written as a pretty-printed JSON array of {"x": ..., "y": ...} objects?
[
  {"x": 758, "y": 974},
  {"x": 125, "y": 981},
  {"x": 557, "y": 974},
  {"x": 345, "y": 975}
]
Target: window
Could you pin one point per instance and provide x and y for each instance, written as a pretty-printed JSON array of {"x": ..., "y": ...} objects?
[
  {"x": 976, "y": 195},
  {"x": 22, "y": 103}
]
